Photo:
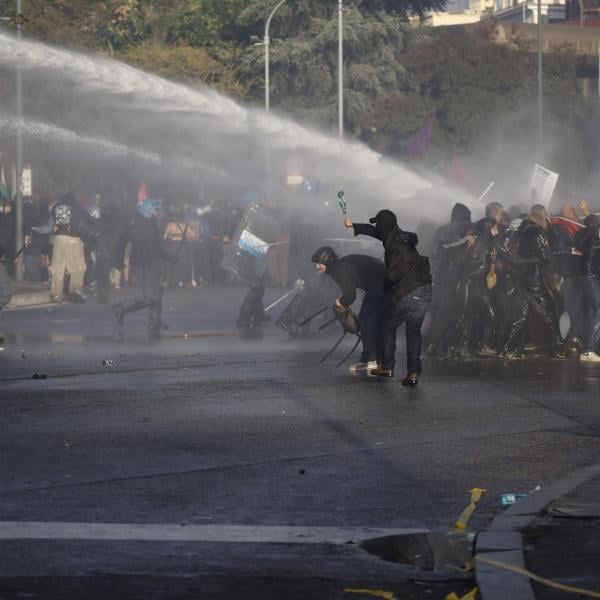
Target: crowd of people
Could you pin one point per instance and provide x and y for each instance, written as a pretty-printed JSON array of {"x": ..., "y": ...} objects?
[
  {"x": 79, "y": 239},
  {"x": 503, "y": 283}
]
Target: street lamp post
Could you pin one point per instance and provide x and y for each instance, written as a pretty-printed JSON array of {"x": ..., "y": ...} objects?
[
  {"x": 340, "y": 68},
  {"x": 18, "y": 20},
  {"x": 540, "y": 77},
  {"x": 267, "y": 43}
]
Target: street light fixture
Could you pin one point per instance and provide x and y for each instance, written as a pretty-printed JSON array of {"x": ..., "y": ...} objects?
[{"x": 267, "y": 43}]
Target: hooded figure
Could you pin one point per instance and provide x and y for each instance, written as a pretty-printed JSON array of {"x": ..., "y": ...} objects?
[
  {"x": 352, "y": 272},
  {"x": 447, "y": 264},
  {"x": 407, "y": 291},
  {"x": 476, "y": 317},
  {"x": 532, "y": 293}
]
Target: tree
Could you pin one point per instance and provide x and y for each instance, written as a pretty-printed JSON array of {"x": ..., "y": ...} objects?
[{"x": 304, "y": 66}]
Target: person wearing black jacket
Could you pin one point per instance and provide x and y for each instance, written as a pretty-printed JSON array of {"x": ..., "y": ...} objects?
[
  {"x": 477, "y": 317},
  {"x": 587, "y": 241},
  {"x": 352, "y": 272},
  {"x": 406, "y": 288},
  {"x": 146, "y": 259},
  {"x": 532, "y": 293},
  {"x": 106, "y": 240},
  {"x": 446, "y": 263}
]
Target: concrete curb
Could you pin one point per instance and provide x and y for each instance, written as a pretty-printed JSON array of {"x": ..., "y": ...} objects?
[
  {"x": 29, "y": 299},
  {"x": 502, "y": 540}
]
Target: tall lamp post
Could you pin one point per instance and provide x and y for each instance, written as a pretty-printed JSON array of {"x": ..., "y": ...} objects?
[
  {"x": 341, "y": 68},
  {"x": 540, "y": 78},
  {"x": 267, "y": 43},
  {"x": 18, "y": 20}
]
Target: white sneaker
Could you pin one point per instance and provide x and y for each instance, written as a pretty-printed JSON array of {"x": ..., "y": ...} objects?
[
  {"x": 589, "y": 357},
  {"x": 362, "y": 366}
]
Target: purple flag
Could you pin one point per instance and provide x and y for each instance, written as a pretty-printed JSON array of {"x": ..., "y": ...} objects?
[{"x": 421, "y": 139}]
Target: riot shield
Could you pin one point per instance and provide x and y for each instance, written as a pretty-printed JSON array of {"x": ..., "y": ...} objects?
[{"x": 246, "y": 256}]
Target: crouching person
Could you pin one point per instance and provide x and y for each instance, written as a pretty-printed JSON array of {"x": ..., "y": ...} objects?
[{"x": 352, "y": 272}]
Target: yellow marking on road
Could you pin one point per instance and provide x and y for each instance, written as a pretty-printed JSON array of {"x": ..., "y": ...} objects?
[
  {"x": 463, "y": 520},
  {"x": 377, "y": 593}
]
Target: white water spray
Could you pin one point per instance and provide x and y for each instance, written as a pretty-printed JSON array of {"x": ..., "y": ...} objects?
[
  {"x": 216, "y": 121},
  {"x": 70, "y": 140}
]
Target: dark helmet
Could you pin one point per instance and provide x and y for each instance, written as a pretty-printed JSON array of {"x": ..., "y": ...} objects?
[{"x": 325, "y": 255}]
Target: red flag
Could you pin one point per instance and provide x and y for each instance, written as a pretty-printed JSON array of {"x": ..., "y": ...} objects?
[{"x": 142, "y": 193}]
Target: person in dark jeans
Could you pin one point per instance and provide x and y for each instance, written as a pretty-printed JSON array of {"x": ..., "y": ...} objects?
[
  {"x": 407, "y": 291},
  {"x": 147, "y": 254},
  {"x": 353, "y": 272},
  {"x": 587, "y": 241}
]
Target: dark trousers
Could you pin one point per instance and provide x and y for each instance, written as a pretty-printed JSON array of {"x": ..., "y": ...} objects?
[
  {"x": 527, "y": 300},
  {"x": 410, "y": 309},
  {"x": 370, "y": 320},
  {"x": 104, "y": 264},
  {"x": 212, "y": 256},
  {"x": 591, "y": 288},
  {"x": 477, "y": 322},
  {"x": 149, "y": 278}
]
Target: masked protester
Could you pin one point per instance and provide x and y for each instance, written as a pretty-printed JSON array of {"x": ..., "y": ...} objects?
[
  {"x": 476, "y": 320},
  {"x": 407, "y": 291},
  {"x": 532, "y": 292},
  {"x": 507, "y": 247},
  {"x": 587, "y": 242},
  {"x": 446, "y": 266},
  {"x": 366, "y": 273},
  {"x": 145, "y": 259}
]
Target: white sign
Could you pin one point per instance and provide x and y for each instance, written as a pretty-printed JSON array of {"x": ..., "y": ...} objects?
[
  {"x": 542, "y": 185},
  {"x": 252, "y": 244},
  {"x": 27, "y": 185}
]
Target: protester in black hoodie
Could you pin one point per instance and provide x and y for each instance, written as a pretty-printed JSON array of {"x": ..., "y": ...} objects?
[
  {"x": 447, "y": 262},
  {"x": 352, "y": 272},
  {"x": 532, "y": 292},
  {"x": 407, "y": 291}
]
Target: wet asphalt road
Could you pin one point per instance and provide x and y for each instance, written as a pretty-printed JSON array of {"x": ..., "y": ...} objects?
[{"x": 209, "y": 431}]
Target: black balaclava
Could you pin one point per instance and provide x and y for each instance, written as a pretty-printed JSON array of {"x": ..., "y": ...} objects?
[
  {"x": 385, "y": 221},
  {"x": 460, "y": 214}
]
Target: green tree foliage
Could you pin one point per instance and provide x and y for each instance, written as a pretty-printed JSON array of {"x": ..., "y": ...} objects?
[
  {"x": 469, "y": 84},
  {"x": 303, "y": 63}
]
